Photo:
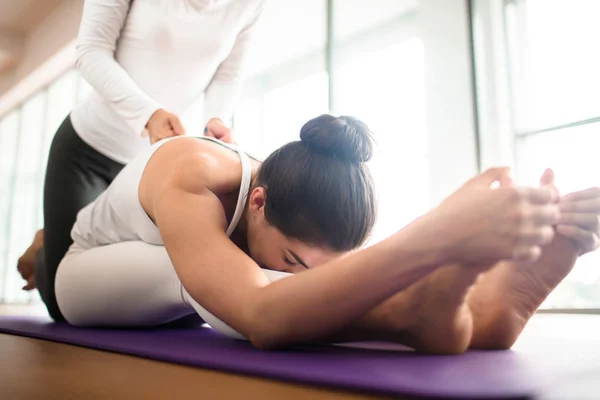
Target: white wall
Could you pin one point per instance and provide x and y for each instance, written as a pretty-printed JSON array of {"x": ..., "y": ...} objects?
[
  {"x": 48, "y": 51},
  {"x": 7, "y": 80},
  {"x": 56, "y": 31}
]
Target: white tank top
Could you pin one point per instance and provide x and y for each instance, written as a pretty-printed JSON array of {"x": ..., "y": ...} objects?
[{"x": 118, "y": 216}]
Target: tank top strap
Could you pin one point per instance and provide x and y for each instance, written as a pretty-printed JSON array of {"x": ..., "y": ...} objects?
[{"x": 244, "y": 190}]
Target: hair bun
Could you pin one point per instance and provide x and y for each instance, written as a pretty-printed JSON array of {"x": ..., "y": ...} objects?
[{"x": 345, "y": 137}]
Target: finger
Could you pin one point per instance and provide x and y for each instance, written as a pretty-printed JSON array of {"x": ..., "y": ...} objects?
[
  {"x": 541, "y": 195},
  {"x": 545, "y": 215},
  {"x": 227, "y": 138},
  {"x": 580, "y": 206},
  {"x": 587, "y": 239},
  {"x": 586, "y": 194},
  {"x": 176, "y": 125},
  {"x": 165, "y": 133},
  {"x": 547, "y": 178},
  {"x": 591, "y": 222},
  {"x": 536, "y": 236},
  {"x": 490, "y": 176},
  {"x": 527, "y": 254},
  {"x": 209, "y": 133},
  {"x": 159, "y": 134},
  {"x": 156, "y": 139},
  {"x": 506, "y": 181}
]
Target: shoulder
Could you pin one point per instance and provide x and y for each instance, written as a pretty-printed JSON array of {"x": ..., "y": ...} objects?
[{"x": 195, "y": 165}]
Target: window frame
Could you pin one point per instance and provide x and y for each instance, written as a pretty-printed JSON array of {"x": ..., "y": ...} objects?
[
  {"x": 38, "y": 179},
  {"x": 497, "y": 98}
]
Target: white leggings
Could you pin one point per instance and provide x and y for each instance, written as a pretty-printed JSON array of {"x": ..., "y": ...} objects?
[{"x": 129, "y": 284}]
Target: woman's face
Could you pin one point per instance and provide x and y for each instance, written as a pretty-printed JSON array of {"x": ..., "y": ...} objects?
[{"x": 270, "y": 249}]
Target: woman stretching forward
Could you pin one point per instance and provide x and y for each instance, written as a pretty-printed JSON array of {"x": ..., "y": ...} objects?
[{"x": 189, "y": 224}]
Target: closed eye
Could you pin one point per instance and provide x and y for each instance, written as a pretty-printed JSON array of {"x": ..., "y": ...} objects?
[
  {"x": 292, "y": 259},
  {"x": 289, "y": 262}
]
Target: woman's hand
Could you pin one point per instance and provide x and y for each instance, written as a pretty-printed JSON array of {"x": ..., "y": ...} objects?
[
  {"x": 580, "y": 215},
  {"x": 483, "y": 225},
  {"x": 163, "y": 124},
  {"x": 216, "y": 128},
  {"x": 580, "y": 219}
]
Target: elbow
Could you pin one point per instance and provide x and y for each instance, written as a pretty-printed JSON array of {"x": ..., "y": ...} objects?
[
  {"x": 88, "y": 55},
  {"x": 265, "y": 330},
  {"x": 82, "y": 50},
  {"x": 264, "y": 343},
  {"x": 271, "y": 338}
]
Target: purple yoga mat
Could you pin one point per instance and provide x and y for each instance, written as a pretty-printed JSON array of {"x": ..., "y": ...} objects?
[{"x": 504, "y": 374}]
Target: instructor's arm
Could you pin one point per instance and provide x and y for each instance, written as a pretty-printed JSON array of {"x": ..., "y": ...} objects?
[{"x": 101, "y": 25}]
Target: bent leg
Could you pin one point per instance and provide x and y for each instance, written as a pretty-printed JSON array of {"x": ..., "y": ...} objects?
[
  {"x": 131, "y": 284},
  {"x": 489, "y": 309},
  {"x": 431, "y": 316},
  {"x": 76, "y": 174}
]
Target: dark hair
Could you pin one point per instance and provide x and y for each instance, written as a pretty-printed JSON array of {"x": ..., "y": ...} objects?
[{"x": 319, "y": 189}]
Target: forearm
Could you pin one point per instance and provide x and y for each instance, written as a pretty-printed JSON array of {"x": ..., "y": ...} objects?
[
  {"x": 101, "y": 25},
  {"x": 115, "y": 86},
  {"x": 318, "y": 303}
]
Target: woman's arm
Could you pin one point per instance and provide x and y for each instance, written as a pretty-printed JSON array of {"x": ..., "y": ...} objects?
[
  {"x": 223, "y": 92},
  {"x": 226, "y": 282},
  {"x": 475, "y": 225},
  {"x": 101, "y": 25}
]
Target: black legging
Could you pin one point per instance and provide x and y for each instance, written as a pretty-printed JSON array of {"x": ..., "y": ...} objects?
[{"x": 76, "y": 174}]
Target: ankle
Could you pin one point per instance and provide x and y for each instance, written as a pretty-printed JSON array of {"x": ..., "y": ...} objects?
[
  {"x": 453, "y": 337},
  {"x": 499, "y": 329}
]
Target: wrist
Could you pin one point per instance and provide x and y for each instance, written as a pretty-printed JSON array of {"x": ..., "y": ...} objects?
[
  {"x": 425, "y": 242},
  {"x": 158, "y": 110}
]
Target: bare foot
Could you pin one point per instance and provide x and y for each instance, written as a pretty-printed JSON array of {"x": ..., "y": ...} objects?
[
  {"x": 443, "y": 321},
  {"x": 505, "y": 298},
  {"x": 432, "y": 315},
  {"x": 26, "y": 263}
]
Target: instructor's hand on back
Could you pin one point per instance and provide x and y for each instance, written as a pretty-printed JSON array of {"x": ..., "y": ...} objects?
[
  {"x": 162, "y": 125},
  {"x": 217, "y": 129}
]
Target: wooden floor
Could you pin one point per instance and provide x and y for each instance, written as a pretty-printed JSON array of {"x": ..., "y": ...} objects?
[{"x": 38, "y": 369}]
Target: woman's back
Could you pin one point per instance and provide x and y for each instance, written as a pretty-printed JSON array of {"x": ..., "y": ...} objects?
[{"x": 119, "y": 213}]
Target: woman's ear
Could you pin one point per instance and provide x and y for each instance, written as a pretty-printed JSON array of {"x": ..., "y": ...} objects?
[{"x": 258, "y": 197}]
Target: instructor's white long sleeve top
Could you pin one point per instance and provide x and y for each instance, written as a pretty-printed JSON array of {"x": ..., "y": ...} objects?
[{"x": 185, "y": 56}]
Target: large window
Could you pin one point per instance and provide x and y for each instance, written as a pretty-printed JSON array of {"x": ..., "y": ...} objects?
[
  {"x": 378, "y": 76},
  {"x": 287, "y": 80},
  {"x": 358, "y": 59},
  {"x": 25, "y": 137},
  {"x": 391, "y": 101},
  {"x": 552, "y": 97},
  {"x": 9, "y": 135}
]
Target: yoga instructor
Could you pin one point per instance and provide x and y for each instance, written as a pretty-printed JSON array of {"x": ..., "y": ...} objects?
[{"x": 158, "y": 68}]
